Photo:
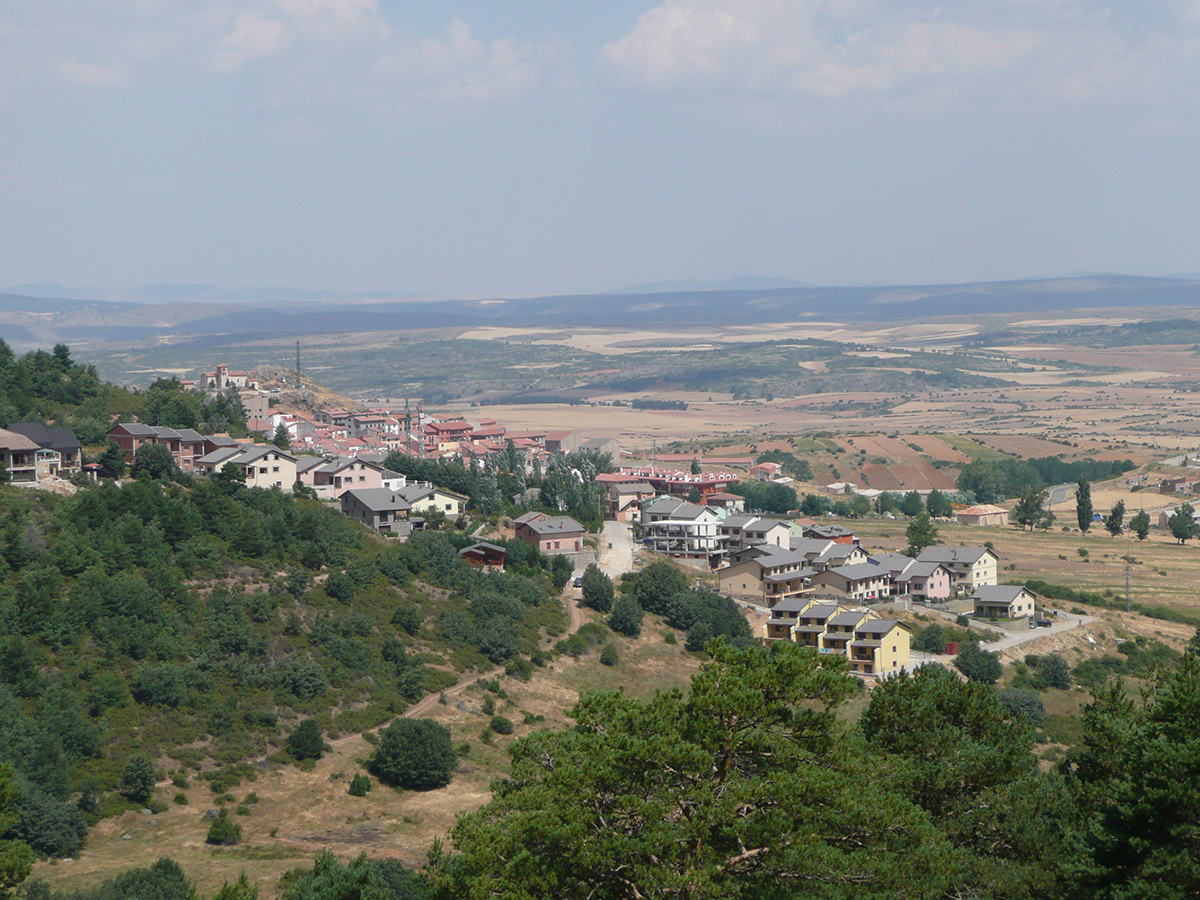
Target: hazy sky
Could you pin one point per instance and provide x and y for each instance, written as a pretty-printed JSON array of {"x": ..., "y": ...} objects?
[{"x": 528, "y": 146}]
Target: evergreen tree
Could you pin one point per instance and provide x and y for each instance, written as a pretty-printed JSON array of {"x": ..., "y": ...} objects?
[
  {"x": 415, "y": 754},
  {"x": 1140, "y": 524},
  {"x": 626, "y": 617},
  {"x": 911, "y": 504},
  {"x": 112, "y": 460},
  {"x": 1029, "y": 510},
  {"x": 306, "y": 741},
  {"x": 921, "y": 533},
  {"x": 138, "y": 779},
  {"x": 695, "y": 466},
  {"x": 978, "y": 664},
  {"x": 597, "y": 589},
  {"x": 938, "y": 505},
  {"x": 1083, "y": 505},
  {"x": 281, "y": 438},
  {"x": 1115, "y": 520}
]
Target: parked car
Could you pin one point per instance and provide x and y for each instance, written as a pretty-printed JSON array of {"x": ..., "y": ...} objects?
[{"x": 578, "y": 582}]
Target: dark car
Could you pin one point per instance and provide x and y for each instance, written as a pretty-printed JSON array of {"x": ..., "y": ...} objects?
[{"x": 578, "y": 582}]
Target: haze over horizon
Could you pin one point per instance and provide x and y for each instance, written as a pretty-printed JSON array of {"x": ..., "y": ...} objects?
[{"x": 538, "y": 148}]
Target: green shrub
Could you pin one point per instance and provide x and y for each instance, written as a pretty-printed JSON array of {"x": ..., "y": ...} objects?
[
  {"x": 243, "y": 810},
  {"x": 501, "y": 725},
  {"x": 609, "y": 655},
  {"x": 415, "y": 754},
  {"x": 359, "y": 785},
  {"x": 306, "y": 741},
  {"x": 223, "y": 831},
  {"x": 181, "y": 799},
  {"x": 138, "y": 779}
]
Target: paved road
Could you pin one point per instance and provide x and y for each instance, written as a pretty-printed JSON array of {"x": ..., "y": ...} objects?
[
  {"x": 1060, "y": 493},
  {"x": 616, "y": 549},
  {"x": 1069, "y": 623}
]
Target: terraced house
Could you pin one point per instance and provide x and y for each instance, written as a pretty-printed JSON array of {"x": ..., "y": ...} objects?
[{"x": 874, "y": 645}]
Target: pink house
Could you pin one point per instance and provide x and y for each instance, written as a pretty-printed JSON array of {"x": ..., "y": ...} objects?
[
  {"x": 330, "y": 479},
  {"x": 923, "y": 579}
]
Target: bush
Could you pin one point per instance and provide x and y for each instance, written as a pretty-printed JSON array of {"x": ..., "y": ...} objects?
[
  {"x": 48, "y": 825},
  {"x": 1054, "y": 669},
  {"x": 359, "y": 785},
  {"x": 138, "y": 779},
  {"x": 502, "y": 725},
  {"x": 415, "y": 754},
  {"x": 930, "y": 639},
  {"x": 1018, "y": 702},
  {"x": 306, "y": 741},
  {"x": 609, "y": 656},
  {"x": 597, "y": 589},
  {"x": 978, "y": 664},
  {"x": 340, "y": 587},
  {"x": 626, "y": 617},
  {"x": 181, "y": 799},
  {"x": 223, "y": 831}
]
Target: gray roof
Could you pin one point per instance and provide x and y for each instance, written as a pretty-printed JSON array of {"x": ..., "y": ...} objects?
[
  {"x": 839, "y": 551},
  {"x": 739, "y": 521},
  {"x": 554, "y": 525},
  {"x": 376, "y": 499},
  {"x": 820, "y": 612},
  {"x": 790, "y": 604},
  {"x": 952, "y": 554},
  {"x": 893, "y": 562},
  {"x": 673, "y": 507},
  {"x": 998, "y": 593},
  {"x": 304, "y": 463},
  {"x": 190, "y": 435},
  {"x": 58, "y": 438},
  {"x": 846, "y": 618},
  {"x": 482, "y": 545},
  {"x": 219, "y": 456},
  {"x": 918, "y": 570},
  {"x": 860, "y": 571},
  {"x": 877, "y": 626},
  {"x": 220, "y": 440},
  {"x": 595, "y": 443},
  {"x": 136, "y": 429},
  {"x": 789, "y": 576}
]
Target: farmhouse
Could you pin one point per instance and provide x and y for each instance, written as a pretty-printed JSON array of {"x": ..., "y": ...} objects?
[{"x": 983, "y": 515}]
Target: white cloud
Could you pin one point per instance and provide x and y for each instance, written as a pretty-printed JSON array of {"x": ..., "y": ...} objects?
[
  {"x": 462, "y": 67},
  {"x": 1016, "y": 52},
  {"x": 253, "y": 37}
]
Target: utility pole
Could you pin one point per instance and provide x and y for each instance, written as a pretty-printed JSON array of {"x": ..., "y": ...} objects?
[
  {"x": 297, "y": 364},
  {"x": 1128, "y": 572}
]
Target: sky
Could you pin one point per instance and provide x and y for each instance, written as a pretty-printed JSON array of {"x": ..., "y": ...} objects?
[{"x": 470, "y": 148}]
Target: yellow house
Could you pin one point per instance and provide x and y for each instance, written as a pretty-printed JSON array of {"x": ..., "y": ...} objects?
[{"x": 874, "y": 645}]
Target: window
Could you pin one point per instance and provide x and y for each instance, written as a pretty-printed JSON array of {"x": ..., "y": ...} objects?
[
  {"x": 274, "y": 468},
  {"x": 362, "y": 477},
  {"x": 262, "y": 470}
]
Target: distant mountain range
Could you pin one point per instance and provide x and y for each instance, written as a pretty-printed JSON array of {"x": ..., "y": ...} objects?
[
  {"x": 737, "y": 283},
  {"x": 195, "y": 314}
]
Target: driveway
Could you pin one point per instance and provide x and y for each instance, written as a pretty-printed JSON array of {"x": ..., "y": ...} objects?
[
  {"x": 1068, "y": 623},
  {"x": 616, "y": 549}
]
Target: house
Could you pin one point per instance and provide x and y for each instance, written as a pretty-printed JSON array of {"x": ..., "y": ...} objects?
[
  {"x": 681, "y": 529},
  {"x": 741, "y": 531},
  {"x": 563, "y": 441},
  {"x": 925, "y": 580},
  {"x": 393, "y": 481},
  {"x": 483, "y": 554},
  {"x": 263, "y": 465},
  {"x": 186, "y": 445},
  {"x": 1005, "y": 601},
  {"x": 611, "y": 446},
  {"x": 862, "y": 581},
  {"x": 62, "y": 450},
  {"x": 379, "y": 509},
  {"x": 836, "y": 533},
  {"x": 765, "y": 471},
  {"x": 969, "y": 567},
  {"x": 426, "y": 498},
  {"x": 874, "y": 645},
  {"x": 333, "y": 477},
  {"x": 626, "y": 498},
  {"x": 880, "y": 646},
  {"x": 550, "y": 534},
  {"x": 19, "y": 455},
  {"x": 985, "y": 514},
  {"x": 733, "y": 503},
  {"x": 767, "y": 574}
]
